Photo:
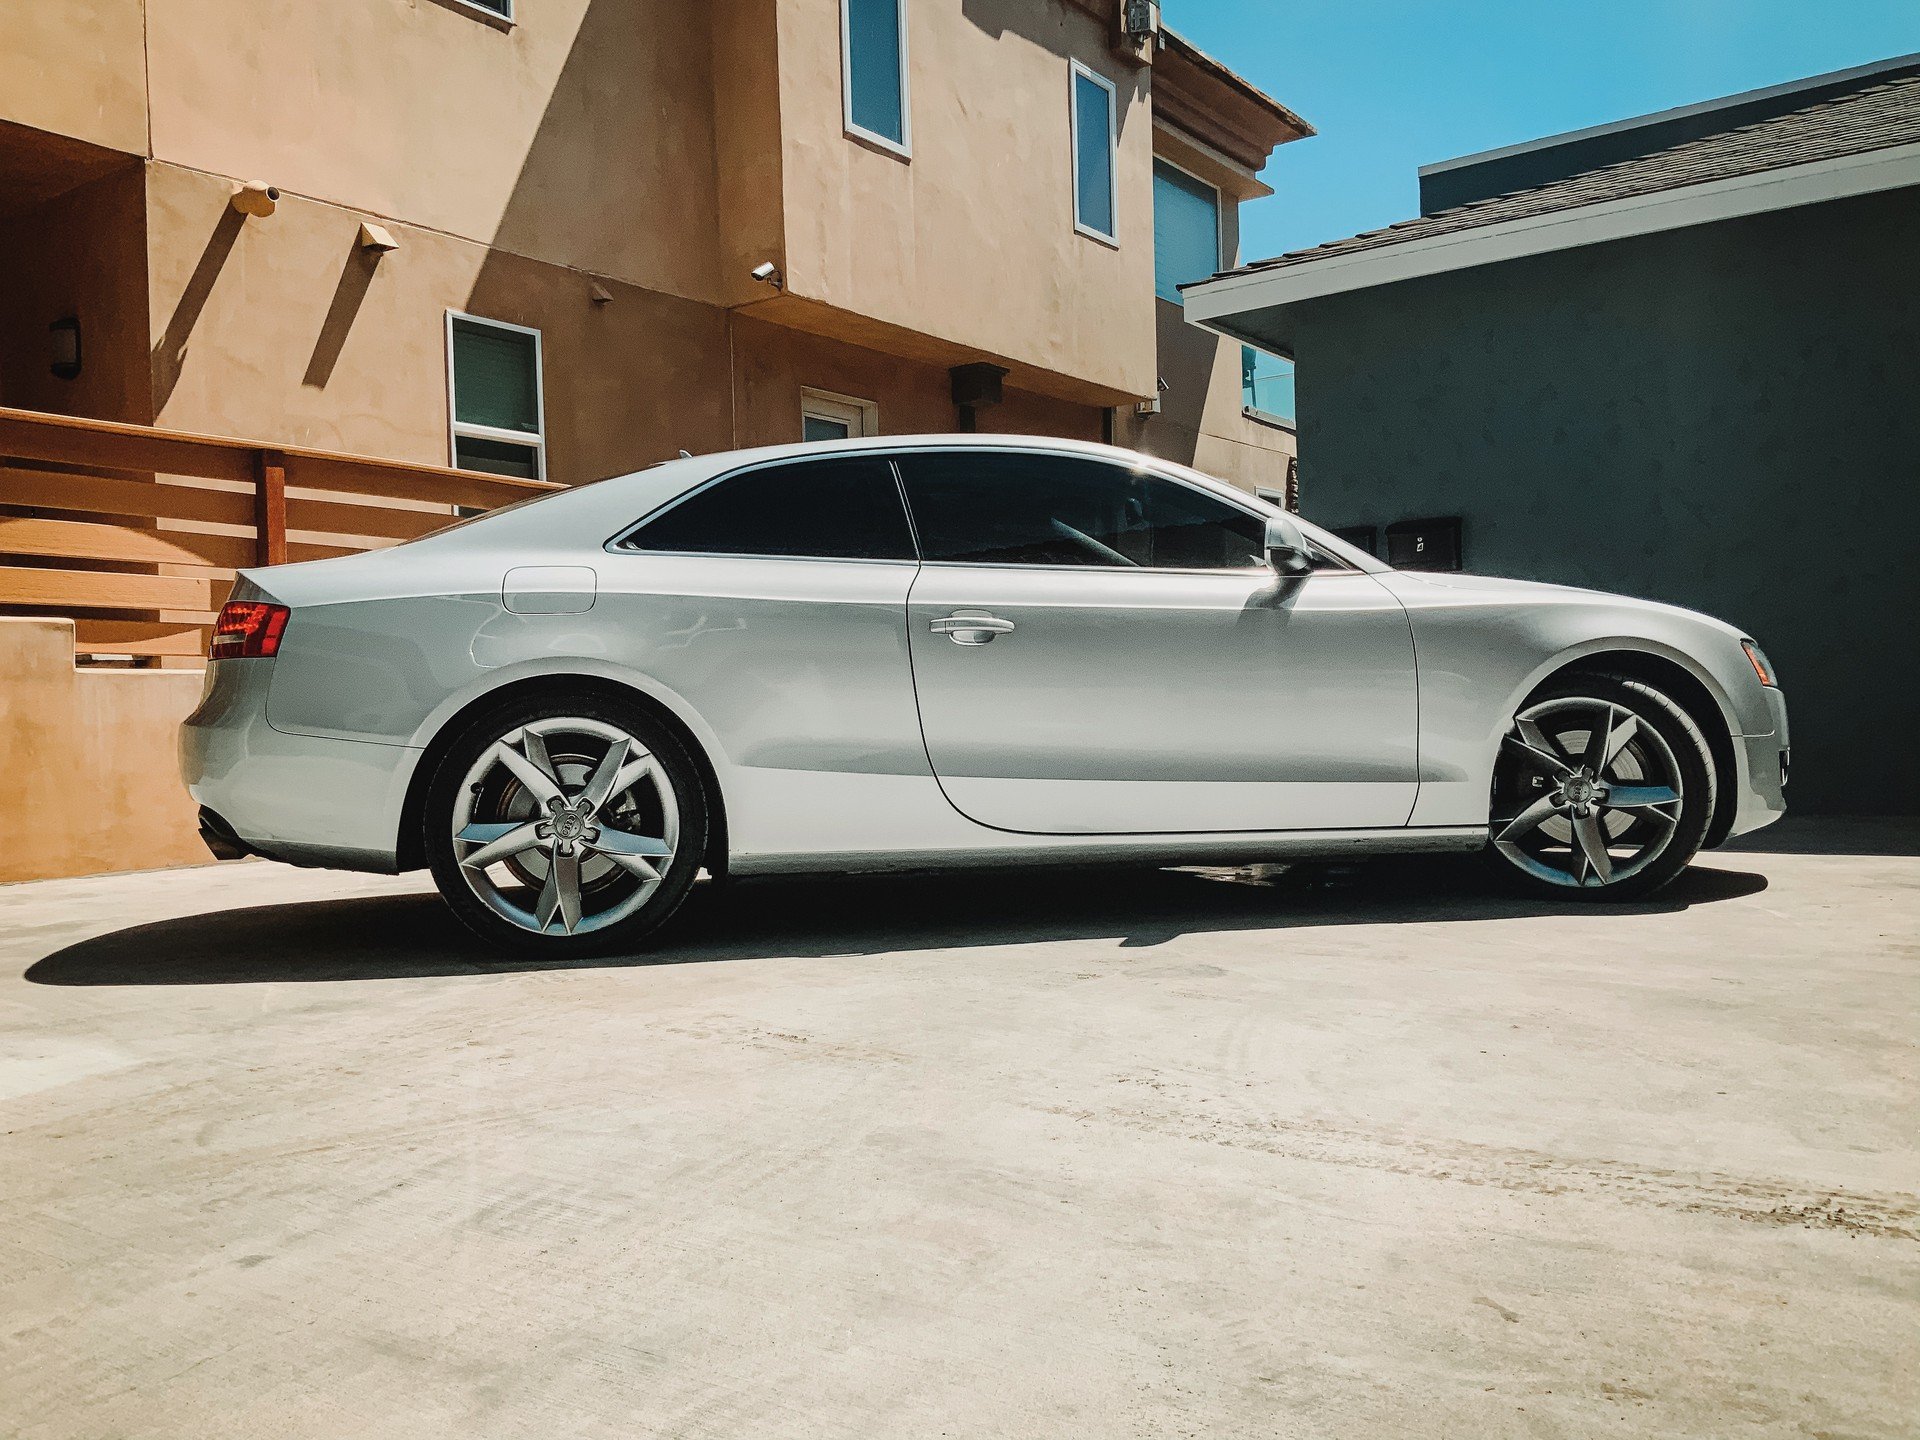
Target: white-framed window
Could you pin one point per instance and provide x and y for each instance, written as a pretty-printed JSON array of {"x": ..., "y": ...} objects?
[
  {"x": 496, "y": 9},
  {"x": 873, "y": 73},
  {"x": 827, "y": 416},
  {"x": 1093, "y": 123},
  {"x": 1186, "y": 229},
  {"x": 496, "y": 397}
]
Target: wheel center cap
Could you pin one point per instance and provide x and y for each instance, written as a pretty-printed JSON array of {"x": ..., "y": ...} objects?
[
  {"x": 568, "y": 825},
  {"x": 1579, "y": 790}
]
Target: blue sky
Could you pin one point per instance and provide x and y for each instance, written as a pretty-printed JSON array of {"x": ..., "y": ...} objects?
[{"x": 1395, "y": 84}]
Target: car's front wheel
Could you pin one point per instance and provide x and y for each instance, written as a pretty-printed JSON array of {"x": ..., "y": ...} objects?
[
  {"x": 565, "y": 826},
  {"x": 1604, "y": 790}
]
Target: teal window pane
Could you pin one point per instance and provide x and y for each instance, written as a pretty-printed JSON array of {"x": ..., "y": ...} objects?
[
  {"x": 818, "y": 427},
  {"x": 1093, "y": 160},
  {"x": 496, "y": 457},
  {"x": 876, "y": 93},
  {"x": 1186, "y": 230},
  {"x": 495, "y": 377},
  {"x": 1266, "y": 383}
]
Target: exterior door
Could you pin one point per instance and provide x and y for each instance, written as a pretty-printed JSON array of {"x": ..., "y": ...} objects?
[{"x": 1098, "y": 650}]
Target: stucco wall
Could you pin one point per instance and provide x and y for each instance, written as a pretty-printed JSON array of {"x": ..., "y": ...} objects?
[
  {"x": 92, "y": 780},
  {"x": 972, "y": 241},
  {"x": 284, "y": 329},
  {"x": 582, "y": 135},
  {"x": 1726, "y": 418},
  {"x": 76, "y": 67}
]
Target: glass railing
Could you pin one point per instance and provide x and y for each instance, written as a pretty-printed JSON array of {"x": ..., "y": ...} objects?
[{"x": 1266, "y": 384}]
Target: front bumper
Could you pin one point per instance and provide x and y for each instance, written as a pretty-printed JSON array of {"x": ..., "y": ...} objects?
[
  {"x": 1760, "y": 797},
  {"x": 305, "y": 799}
]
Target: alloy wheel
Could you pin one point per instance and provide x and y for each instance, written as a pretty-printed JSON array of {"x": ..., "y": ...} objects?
[
  {"x": 1595, "y": 793},
  {"x": 565, "y": 826}
]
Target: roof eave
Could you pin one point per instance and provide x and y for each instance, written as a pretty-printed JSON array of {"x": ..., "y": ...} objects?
[{"x": 1214, "y": 303}]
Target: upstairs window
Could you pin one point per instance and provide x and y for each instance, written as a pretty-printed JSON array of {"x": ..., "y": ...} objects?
[
  {"x": 1093, "y": 144},
  {"x": 495, "y": 397},
  {"x": 873, "y": 61},
  {"x": 1186, "y": 230},
  {"x": 502, "y": 8}
]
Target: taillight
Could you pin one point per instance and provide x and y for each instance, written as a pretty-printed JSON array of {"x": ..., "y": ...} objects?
[{"x": 248, "y": 628}]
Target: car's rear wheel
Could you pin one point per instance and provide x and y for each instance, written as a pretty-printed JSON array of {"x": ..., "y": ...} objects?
[
  {"x": 566, "y": 826},
  {"x": 1603, "y": 791}
]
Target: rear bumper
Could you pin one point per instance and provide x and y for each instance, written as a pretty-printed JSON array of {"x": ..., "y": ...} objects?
[{"x": 304, "y": 799}]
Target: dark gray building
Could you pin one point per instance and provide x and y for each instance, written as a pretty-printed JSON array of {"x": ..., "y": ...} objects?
[{"x": 1677, "y": 357}]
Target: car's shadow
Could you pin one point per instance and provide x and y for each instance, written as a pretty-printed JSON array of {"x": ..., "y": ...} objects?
[{"x": 413, "y": 936}]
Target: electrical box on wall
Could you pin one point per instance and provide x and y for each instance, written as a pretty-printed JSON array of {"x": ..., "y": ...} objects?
[{"x": 1432, "y": 544}]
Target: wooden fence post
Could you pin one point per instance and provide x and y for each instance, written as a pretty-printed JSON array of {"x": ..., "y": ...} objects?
[{"x": 270, "y": 507}]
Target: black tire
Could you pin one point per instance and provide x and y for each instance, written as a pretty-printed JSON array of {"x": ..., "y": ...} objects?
[
  {"x": 476, "y": 738},
  {"x": 1675, "y": 755}
]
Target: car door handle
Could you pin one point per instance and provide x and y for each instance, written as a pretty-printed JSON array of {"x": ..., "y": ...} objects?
[{"x": 971, "y": 628}]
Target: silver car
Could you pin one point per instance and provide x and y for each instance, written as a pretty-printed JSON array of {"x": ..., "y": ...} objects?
[{"x": 943, "y": 651}]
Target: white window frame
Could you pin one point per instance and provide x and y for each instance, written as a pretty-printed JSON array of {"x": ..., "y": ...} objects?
[
  {"x": 457, "y": 428},
  {"x": 1075, "y": 69},
  {"x": 487, "y": 12},
  {"x": 903, "y": 147},
  {"x": 861, "y": 417},
  {"x": 1220, "y": 260}
]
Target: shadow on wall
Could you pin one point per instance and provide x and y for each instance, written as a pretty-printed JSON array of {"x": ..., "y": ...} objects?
[
  {"x": 170, "y": 350},
  {"x": 626, "y": 131},
  {"x": 356, "y": 278},
  {"x": 388, "y": 937}
]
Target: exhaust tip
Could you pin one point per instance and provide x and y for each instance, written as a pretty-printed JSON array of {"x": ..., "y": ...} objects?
[{"x": 220, "y": 838}]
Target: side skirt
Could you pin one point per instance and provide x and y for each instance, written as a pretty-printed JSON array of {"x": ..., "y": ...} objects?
[{"x": 1132, "y": 850}]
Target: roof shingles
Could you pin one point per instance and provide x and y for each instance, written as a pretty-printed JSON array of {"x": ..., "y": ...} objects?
[{"x": 1874, "y": 118}]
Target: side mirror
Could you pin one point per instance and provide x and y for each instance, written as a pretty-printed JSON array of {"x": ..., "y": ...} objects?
[{"x": 1287, "y": 550}]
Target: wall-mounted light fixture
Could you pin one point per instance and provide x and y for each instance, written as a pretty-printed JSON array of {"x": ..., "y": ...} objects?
[
  {"x": 377, "y": 239},
  {"x": 599, "y": 294},
  {"x": 64, "y": 338},
  {"x": 255, "y": 198}
]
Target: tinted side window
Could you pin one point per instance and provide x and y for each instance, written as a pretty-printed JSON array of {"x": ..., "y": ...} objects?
[
  {"x": 824, "y": 509},
  {"x": 1012, "y": 509}
]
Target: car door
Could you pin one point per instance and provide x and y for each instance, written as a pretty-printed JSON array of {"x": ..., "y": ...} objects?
[
  {"x": 1098, "y": 649},
  {"x": 774, "y": 599}
]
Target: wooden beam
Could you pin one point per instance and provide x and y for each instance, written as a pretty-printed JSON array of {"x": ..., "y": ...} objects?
[
  {"x": 77, "y": 540},
  {"x": 270, "y": 508},
  {"x": 410, "y": 482},
  {"x": 101, "y": 590},
  {"x": 143, "y": 499},
  {"x": 327, "y": 517},
  {"x": 68, "y": 440}
]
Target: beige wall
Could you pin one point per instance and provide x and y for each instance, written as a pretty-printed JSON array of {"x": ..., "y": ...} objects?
[
  {"x": 282, "y": 328},
  {"x": 82, "y": 255},
  {"x": 89, "y": 755},
  {"x": 773, "y": 364},
  {"x": 76, "y": 67},
  {"x": 972, "y": 241},
  {"x": 582, "y": 136}
]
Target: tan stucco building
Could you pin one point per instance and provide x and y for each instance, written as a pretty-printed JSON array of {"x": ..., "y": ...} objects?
[{"x": 610, "y": 174}]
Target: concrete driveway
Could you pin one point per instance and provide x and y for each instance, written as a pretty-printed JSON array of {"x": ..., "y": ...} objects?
[{"x": 1088, "y": 1155}]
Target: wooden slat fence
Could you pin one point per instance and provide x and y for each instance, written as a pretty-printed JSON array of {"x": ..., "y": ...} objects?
[{"x": 135, "y": 533}]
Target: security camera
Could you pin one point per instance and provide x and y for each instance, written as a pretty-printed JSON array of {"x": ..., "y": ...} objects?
[{"x": 767, "y": 273}]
